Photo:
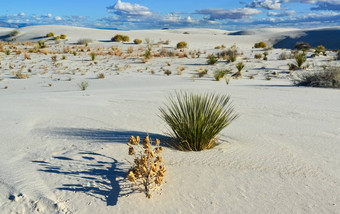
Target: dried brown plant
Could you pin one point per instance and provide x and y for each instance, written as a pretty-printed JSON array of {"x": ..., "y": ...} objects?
[{"x": 148, "y": 170}]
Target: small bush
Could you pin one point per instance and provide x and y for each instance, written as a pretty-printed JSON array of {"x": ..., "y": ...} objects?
[
  {"x": 83, "y": 85},
  {"x": 57, "y": 38},
  {"x": 212, "y": 60},
  {"x": 50, "y": 34},
  {"x": 7, "y": 52},
  {"x": 330, "y": 78},
  {"x": 120, "y": 38},
  {"x": 147, "y": 170},
  {"x": 260, "y": 45},
  {"x": 63, "y": 36},
  {"x": 13, "y": 33},
  {"x": 302, "y": 46},
  {"x": 240, "y": 66},
  {"x": 283, "y": 56},
  {"x": 258, "y": 56},
  {"x": 219, "y": 74},
  {"x": 93, "y": 56},
  {"x": 101, "y": 76},
  {"x": 300, "y": 59},
  {"x": 167, "y": 72},
  {"x": 137, "y": 41},
  {"x": 41, "y": 44},
  {"x": 196, "y": 120},
  {"x": 84, "y": 41},
  {"x": 20, "y": 75},
  {"x": 182, "y": 45},
  {"x": 320, "y": 49},
  {"x": 230, "y": 54},
  {"x": 74, "y": 53}
]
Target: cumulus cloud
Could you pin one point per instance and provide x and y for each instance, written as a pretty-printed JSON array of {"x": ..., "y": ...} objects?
[
  {"x": 218, "y": 14},
  {"x": 128, "y": 9},
  {"x": 281, "y": 14},
  {"x": 265, "y": 4},
  {"x": 327, "y": 6}
]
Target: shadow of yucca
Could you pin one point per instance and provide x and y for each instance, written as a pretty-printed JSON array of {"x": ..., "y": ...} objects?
[
  {"x": 107, "y": 177},
  {"x": 98, "y": 135}
]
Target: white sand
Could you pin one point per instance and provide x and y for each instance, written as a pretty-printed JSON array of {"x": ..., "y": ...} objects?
[{"x": 64, "y": 150}]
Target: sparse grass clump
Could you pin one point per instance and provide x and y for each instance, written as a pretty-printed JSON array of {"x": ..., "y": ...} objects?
[
  {"x": 182, "y": 45},
  {"x": 137, "y": 41},
  {"x": 93, "y": 56},
  {"x": 120, "y": 38},
  {"x": 83, "y": 85},
  {"x": 329, "y": 78},
  {"x": 85, "y": 41},
  {"x": 212, "y": 60},
  {"x": 219, "y": 74},
  {"x": 167, "y": 72},
  {"x": 283, "y": 56},
  {"x": 300, "y": 59},
  {"x": 101, "y": 76},
  {"x": 260, "y": 45},
  {"x": 147, "y": 170},
  {"x": 240, "y": 66},
  {"x": 50, "y": 34},
  {"x": 63, "y": 36},
  {"x": 258, "y": 56},
  {"x": 196, "y": 120}
]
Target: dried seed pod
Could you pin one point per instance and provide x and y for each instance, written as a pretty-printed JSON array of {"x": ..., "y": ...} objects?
[
  {"x": 146, "y": 141},
  {"x": 131, "y": 150},
  {"x": 137, "y": 139},
  {"x": 157, "y": 142},
  {"x": 131, "y": 176}
]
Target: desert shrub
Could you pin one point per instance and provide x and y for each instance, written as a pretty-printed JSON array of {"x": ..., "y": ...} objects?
[
  {"x": 13, "y": 33},
  {"x": 83, "y": 85},
  {"x": 283, "y": 56},
  {"x": 120, "y": 38},
  {"x": 212, "y": 60},
  {"x": 74, "y": 53},
  {"x": 202, "y": 73},
  {"x": 50, "y": 34},
  {"x": 147, "y": 54},
  {"x": 57, "y": 38},
  {"x": 320, "y": 49},
  {"x": 84, "y": 41},
  {"x": 240, "y": 66},
  {"x": 167, "y": 72},
  {"x": 63, "y": 57},
  {"x": 63, "y": 36},
  {"x": 260, "y": 45},
  {"x": 137, "y": 41},
  {"x": 196, "y": 120},
  {"x": 20, "y": 75},
  {"x": 182, "y": 45},
  {"x": 93, "y": 56},
  {"x": 330, "y": 78},
  {"x": 101, "y": 76},
  {"x": 219, "y": 74},
  {"x": 230, "y": 54},
  {"x": 300, "y": 59},
  {"x": 302, "y": 46},
  {"x": 7, "y": 52},
  {"x": 41, "y": 44},
  {"x": 54, "y": 58},
  {"x": 265, "y": 54},
  {"x": 258, "y": 56},
  {"x": 147, "y": 170}
]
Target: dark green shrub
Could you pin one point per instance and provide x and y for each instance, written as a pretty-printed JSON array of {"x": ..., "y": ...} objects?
[
  {"x": 137, "y": 41},
  {"x": 120, "y": 38},
  {"x": 63, "y": 36},
  {"x": 13, "y": 33},
  {"x": 260, "y": 45},
  {"x": 50, "y": 34},
  {"x": 302, "y": 46},
  {"x": 196, "y": 120},
  {"x": 212, "y": 60},
  {"x": 240, "y": 66},
  {"x": 300, "y": 59},
  {"x": 182, "y": 45}
]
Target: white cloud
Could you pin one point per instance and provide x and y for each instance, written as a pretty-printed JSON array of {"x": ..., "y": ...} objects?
[
  {"x": 281, "y": 14},
  {"x": 58, "y": 18},
  {"x": 128, "y": 9},
  {"x": 218, "y": 14},
  {"x": 265, "y": 4}
]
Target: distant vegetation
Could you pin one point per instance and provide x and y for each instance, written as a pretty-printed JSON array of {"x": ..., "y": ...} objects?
[
  {"x": 137, "y": 41},
  {"x": 120, "y": 38},
  {"x": 329, "y": 78},
  {"x": 84, "y": 41},
  {"x": 260, "y": 45},
  {"x": 182, "y": 45},
  {"x": 13, "y": 33},
  {"x": 50, "y": 34}
]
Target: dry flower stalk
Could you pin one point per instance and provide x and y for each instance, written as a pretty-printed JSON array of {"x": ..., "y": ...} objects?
[{"x": 147, "y": 169}]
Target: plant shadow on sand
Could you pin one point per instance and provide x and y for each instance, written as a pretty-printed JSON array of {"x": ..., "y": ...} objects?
[
  {"x": 100, "y": 135},
  {"x": 94, "y": 174},
  {"x": 103, "y": 180}
]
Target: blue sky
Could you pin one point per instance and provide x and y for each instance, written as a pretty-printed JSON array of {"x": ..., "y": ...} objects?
[{"x": 148, "y": 14}]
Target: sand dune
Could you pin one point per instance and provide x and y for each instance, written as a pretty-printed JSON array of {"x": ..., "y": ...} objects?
[{"x": 64, "y": 150}]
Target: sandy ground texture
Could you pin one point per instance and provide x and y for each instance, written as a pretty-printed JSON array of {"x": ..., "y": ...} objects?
[{"x": 63, "y": 150}]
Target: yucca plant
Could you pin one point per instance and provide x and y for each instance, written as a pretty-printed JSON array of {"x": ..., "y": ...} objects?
[
  {"x": 196, "y": 120},
  {"x": 300, "y": 59},
  {"x": 240, "y": 66}
]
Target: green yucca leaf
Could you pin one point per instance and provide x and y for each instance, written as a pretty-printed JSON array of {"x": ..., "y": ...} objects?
[{"x": 196, "y": 120}]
